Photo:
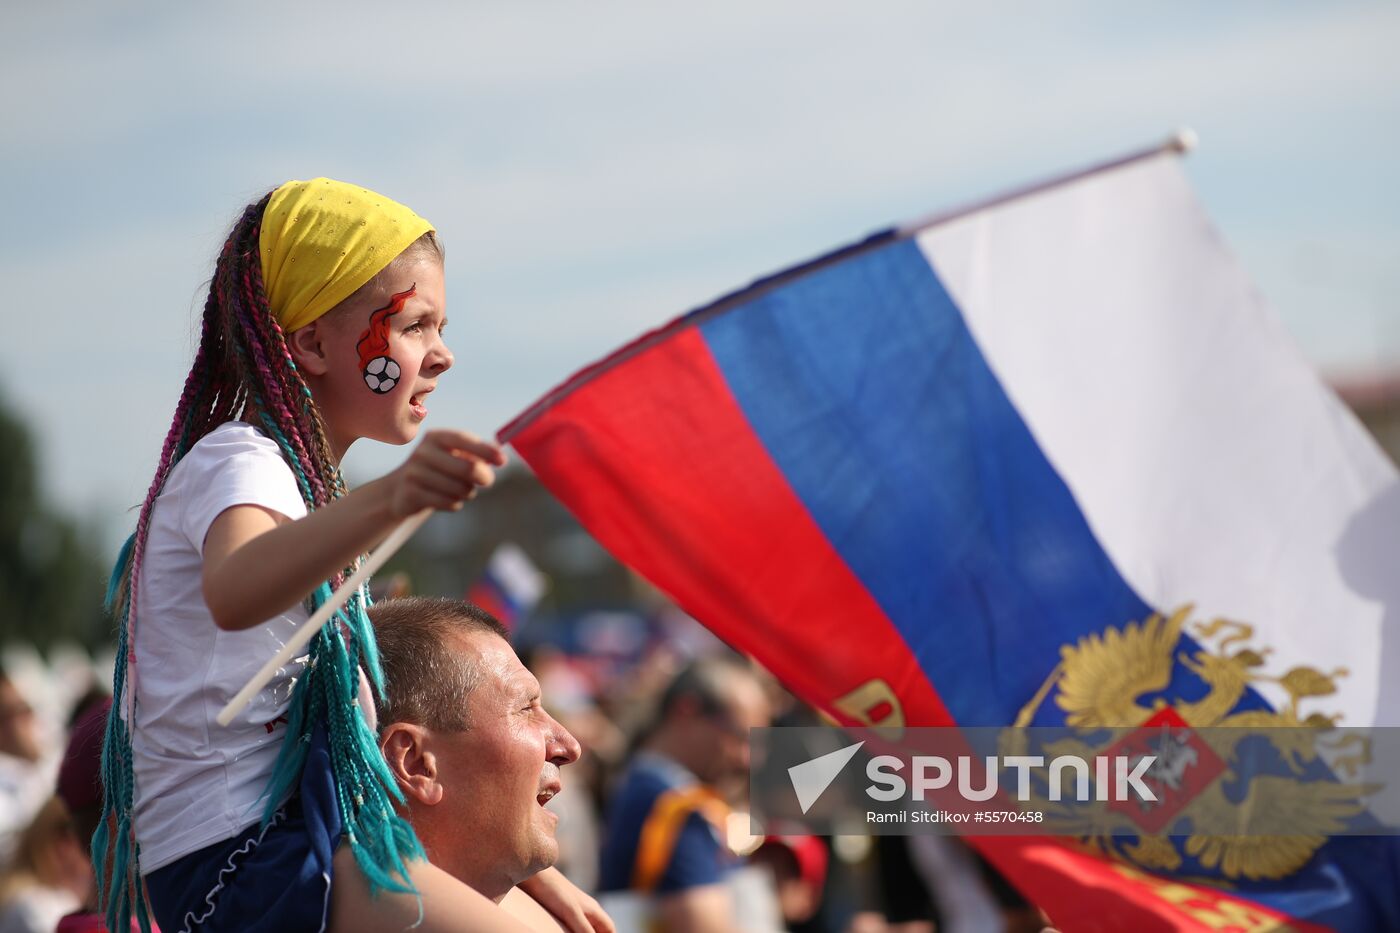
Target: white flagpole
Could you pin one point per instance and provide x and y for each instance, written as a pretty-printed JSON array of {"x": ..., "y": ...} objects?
[{"x": 311, "y": 626}]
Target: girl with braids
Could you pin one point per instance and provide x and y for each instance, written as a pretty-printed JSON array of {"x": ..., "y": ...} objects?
[{"x": 245, "y": 827}]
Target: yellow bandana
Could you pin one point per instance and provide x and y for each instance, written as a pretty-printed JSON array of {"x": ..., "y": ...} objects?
[{"x": 322, "y": 239}]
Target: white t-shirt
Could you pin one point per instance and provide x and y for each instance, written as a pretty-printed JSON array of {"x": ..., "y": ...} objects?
[{"x": 198, "y": 782}]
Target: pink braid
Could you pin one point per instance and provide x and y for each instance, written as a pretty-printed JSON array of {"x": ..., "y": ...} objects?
[{"x": 277, "y": 399}]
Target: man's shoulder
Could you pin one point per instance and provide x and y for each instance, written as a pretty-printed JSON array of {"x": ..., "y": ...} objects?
[
  {"x": 662, "y": 834},
  {"x": 646, "y": 780},
  {"x": 653, "y": 774}
]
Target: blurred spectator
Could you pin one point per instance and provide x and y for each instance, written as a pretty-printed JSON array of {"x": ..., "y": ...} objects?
[
  {"x": 666, "y": 827},
  {"x": 26, "y": 772},
  {"x": 80, "y": 789},
  {"x": 932, "y": 882},
  {"x": 48, "y": 876},
  {"x": 955, "y": 879},
  {"x": 799, "y": 865}
]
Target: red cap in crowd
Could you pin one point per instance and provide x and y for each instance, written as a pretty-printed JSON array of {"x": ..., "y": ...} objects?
[{"x": 80, "y": 775}]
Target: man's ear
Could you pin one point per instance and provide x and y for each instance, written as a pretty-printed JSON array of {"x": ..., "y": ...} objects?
[
  {"x": 414, "y": 766},
  {"x": 304, "y": 344}
]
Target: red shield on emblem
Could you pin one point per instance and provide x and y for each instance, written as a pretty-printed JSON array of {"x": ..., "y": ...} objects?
[{"x": 1184, "y": 766}]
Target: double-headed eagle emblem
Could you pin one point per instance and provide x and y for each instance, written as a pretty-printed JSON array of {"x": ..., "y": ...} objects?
[{"x": 1106, "y": 684}]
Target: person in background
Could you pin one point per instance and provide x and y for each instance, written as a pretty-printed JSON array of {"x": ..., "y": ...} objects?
[
  {"x": 80, "y": 789},
  {"x": 665, "y": 836},
  {"x": 48, "y": 876},
  {"x": 26, "y": 773},
  {"x": 799, "y": 866}
]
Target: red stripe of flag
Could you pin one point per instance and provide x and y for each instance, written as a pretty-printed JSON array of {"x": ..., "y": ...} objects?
[{"x": 664, "y": 500}]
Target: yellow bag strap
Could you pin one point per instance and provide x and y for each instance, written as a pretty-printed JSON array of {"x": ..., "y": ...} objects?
[{"x": 663, "y": 826}]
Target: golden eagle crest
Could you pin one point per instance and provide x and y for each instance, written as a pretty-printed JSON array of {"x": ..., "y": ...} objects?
[{"x": 1105, "y": 683}]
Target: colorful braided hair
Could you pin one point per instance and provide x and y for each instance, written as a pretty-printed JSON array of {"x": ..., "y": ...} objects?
[{"x": 243, "y": 364}]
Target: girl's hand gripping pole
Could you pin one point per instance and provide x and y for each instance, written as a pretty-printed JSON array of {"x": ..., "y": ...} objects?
[{"x": 311, "y": 626}]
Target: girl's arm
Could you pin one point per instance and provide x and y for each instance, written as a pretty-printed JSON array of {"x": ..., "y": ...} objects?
[
  {"x": 448, "y": 905},
  {"x": 573, "y": 910},
  {"x": 258, "y": 563},
  {"x": 530, "y": 912}
]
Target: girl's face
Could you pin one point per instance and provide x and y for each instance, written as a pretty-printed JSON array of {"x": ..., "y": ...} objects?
[{"x": 371, "y": 363}]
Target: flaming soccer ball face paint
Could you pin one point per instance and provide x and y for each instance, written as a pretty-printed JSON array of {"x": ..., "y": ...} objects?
[
  {"x": 382, "y": 374},
  {"x": 380, "y": 371}
]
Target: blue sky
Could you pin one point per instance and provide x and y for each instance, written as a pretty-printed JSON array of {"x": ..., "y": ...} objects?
[{"x": 597, "y": 168}]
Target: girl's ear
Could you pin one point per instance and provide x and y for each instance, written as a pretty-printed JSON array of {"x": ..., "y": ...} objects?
[{"x": 306, "y": 348}]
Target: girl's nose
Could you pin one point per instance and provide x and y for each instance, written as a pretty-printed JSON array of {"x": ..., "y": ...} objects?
[{"x": 442, "y": 359}]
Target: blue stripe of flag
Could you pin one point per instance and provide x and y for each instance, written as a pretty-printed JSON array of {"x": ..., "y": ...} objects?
[{"x": 866, "y": 387}]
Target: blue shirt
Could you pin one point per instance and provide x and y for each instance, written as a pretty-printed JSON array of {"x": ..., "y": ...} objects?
[{"x": 699, "y": 857}]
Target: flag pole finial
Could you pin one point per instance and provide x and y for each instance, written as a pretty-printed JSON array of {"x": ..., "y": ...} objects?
[{"x": 1184, "y": 140}]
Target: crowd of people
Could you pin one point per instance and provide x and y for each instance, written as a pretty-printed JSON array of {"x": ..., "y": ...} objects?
[{"x": 630, "y": 818}]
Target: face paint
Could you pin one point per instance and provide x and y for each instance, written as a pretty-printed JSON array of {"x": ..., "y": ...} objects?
[{"x": 379, "y": 369}]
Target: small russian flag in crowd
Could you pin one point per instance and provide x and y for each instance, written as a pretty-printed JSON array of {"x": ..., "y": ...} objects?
[
  {"x": 1046, "y": 461},
  {"x": 509, "y": 587}
]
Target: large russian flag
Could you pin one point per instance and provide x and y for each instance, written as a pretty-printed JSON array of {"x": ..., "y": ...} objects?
[{"x": 946, "y": 476}]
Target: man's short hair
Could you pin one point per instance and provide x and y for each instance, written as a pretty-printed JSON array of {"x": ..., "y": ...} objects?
[
  {"x": 427, "y": 676},
  {"x": 706, "y": 682}
]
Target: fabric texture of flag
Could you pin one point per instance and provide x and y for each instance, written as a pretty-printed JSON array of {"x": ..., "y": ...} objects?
[
  {"x": 509, "y": 586},
  {"x": 1051, "y": 460}
]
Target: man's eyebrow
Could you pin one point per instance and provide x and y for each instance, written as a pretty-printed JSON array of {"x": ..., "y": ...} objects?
[{"x": 527, "y": 685}]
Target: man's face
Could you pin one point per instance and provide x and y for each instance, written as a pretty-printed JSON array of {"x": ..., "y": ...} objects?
[
  {"x": 725, "y": 734},
  {"x": 497, "y": 774}
]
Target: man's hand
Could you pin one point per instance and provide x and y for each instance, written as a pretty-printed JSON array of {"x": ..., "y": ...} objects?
[{"x": 575, "y": 910}]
